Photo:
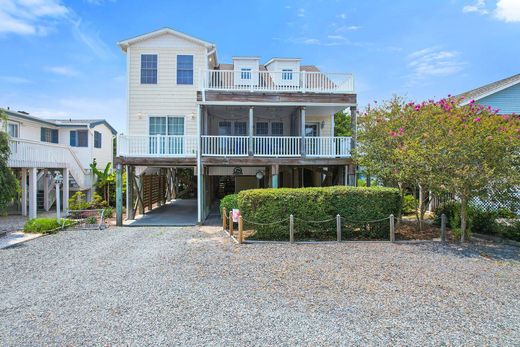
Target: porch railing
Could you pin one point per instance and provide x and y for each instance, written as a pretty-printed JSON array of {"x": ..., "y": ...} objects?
[
  {"x": 157, "y": 145},
  {"x": 324, "y": 147},
  {"x": 278, "y": 81},
  {"x": 28, "y": 153},
  {"x": 232, "y": 146}
]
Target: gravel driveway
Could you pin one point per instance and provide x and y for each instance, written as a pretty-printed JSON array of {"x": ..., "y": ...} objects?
[{"x": 166, "y": 286}]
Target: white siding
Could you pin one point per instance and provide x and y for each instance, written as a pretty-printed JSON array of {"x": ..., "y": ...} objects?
[
  {"x": 165, "y": 98},
  {"x": 105, "y": 154}
]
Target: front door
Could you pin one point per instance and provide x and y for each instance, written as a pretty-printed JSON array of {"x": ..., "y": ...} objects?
[{"x": 311, "y": 145}]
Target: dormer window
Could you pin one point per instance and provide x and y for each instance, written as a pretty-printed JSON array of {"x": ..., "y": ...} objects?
[
  {"x": 245, "y": 73},
  {"x": 148, "y": 68},
  {"x": 287, "y": 74}
]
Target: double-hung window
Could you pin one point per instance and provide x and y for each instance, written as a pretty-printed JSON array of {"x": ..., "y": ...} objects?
[
  {"x": 13, "y": 130},
  {"x": 97, "y": 139},
  {"x": 184, "y": 69},
  {"x": 277, "y": 128},
  {"x": 287, "y": 74},
  {"x": 245, "y": 73},
  {"x": 262, "y": 128},
  {"x": 49, "y": 135},
  {"x": 166, "y": 135},
  {"x": 79, "y": 138},
  {"x": 148, "y": 68}
]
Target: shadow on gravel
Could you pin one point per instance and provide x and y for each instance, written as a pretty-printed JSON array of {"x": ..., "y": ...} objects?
[{"x": 475, "y": 249}]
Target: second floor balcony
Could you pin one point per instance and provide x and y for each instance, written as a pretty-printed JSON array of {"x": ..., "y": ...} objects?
[
  {"x": 186, "y": 146},
  {"x": 278, "y": 81}
]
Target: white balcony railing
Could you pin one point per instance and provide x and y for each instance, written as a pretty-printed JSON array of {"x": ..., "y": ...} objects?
[
  {"x": 232, "y": 146},
  {"x": 277, "y": 81},
  {"x": 277, "y": 146},
  {"x": 157, "y": 146},
  {"x": 327, "y": 147},
  {"x": 27, "y": 153}
]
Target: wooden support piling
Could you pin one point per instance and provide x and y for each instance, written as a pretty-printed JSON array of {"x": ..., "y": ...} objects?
[
  {"x": 224, "y": 218},
  {"x": 240, "y": 230},
  {"x": 338, "y": 227},
  {"x": 392, "y": 228},
  {"x": 443, "y": 228},
  {"x": 291, "y": 228},
  {"x": 231, "y": 223}
]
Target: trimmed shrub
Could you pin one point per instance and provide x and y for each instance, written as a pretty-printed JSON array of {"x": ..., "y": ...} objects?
[
  {"x": 44, "y": 225},
  {"x": 409, "y": 204},
  {"x": 229, "y": 202},
  {"x": 109, "y": 212},
  {"x": 355, "y": 205}
]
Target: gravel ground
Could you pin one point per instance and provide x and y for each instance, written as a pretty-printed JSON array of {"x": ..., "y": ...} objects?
[{"x": 167, "y": 286}]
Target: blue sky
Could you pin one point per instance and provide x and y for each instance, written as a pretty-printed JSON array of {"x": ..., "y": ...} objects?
[{"x": 60, "y": 59}]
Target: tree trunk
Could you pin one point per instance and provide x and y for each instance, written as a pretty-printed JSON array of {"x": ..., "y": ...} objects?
[
  {"x": 463, "y": 218},
  {"x": 401, "y": 191},
  {"x": 421, "y": 207}
]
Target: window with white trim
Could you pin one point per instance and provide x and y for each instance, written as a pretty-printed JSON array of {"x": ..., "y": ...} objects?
[
  {"x": 245, "y": 73},
  {"x": 49, "y": 135},
  {"x": 287, "y": 74},
  {"x": 262, "y": 128},
  {"x": 79, "y": 138},
  {"x": 240, "y": 128},
  {"x": 184, "y": 69},
  {"x": 97, "y": 139},
  {"x": 148, "y": 68},
  {"x": 13, "y": 130},
  {"x": 277, "y": 128}
]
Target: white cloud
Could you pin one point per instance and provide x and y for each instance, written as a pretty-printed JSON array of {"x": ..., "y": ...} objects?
[
  {"x": 478, "y": 7},
  {"x": 432, "y": 62},
  {"x": 30, "y": 17},
  {"x": 342, "y": 15},
  {"x": 300, "y": 12},
  {"x": 508, "y": 10},
  {"x": 66, "y": 71},
  {"x": 344, "y": 28}
]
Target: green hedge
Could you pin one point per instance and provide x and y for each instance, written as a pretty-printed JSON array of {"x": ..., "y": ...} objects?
[
  {"x": 44, "y": 225},
  {"x": 229, "y": 202},
  {"x": 316, "y": 204}
]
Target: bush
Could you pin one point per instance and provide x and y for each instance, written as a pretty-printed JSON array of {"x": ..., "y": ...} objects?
[
  {"x": 229, "y": 202},
  {"x": 91, "y": 220},
  {"x": 409, "y": 204},
  {"x": 78, "y": 201},
  {"x": 511, "y": 232},
  {"x": 317, "y": 204},
  {"x": 109, "y": 212},
  {"x": 44, "y": 225}
]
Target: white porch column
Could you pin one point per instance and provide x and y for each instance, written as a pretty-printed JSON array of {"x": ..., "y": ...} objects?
[
  {"x": 33, "y": 191},
  {"x": 302, "y": 130},
  {"x": 66, "y": 189},
  {"x": 46, "y": 189},
  {"x": 23, "y": 182},
  {"x": 251, "y": 129},
  {"x": 200, "y": 187}
]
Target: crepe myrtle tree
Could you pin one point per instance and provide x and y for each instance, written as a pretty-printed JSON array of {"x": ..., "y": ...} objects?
[
  {"x": 477, "y": 149},
  {"x": 392, "y": 146},
  {"x": 441, "y": 146},
  {"x": 8, "y": 181}
]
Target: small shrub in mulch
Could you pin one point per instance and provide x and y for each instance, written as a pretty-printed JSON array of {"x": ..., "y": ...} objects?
[{"x": 44, "y": 225}]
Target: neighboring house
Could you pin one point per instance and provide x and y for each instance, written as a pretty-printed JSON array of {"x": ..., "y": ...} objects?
[
  {"x": 503, "y": 95},
  {"x": 239, "y": 125},
  {"x": 41, "y": 147}
]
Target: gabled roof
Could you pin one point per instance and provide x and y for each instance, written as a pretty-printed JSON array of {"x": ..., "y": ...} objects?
[
  {"x": 488, "y": 89},
  {"x": 125, "y": 43}
]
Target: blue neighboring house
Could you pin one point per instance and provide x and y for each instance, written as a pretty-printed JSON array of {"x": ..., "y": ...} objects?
[{"x": 503, "y": 95}]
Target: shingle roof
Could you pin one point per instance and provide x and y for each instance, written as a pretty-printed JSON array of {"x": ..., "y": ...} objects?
[
  {"x": 59, "y": 122},
  {"x": 480, "y": 92}
]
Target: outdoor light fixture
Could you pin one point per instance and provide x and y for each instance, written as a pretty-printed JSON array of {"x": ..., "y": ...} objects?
[{"x": 259, "y": 175}]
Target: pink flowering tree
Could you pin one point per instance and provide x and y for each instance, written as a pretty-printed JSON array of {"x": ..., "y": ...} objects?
[{"x": 440, "y": 146}]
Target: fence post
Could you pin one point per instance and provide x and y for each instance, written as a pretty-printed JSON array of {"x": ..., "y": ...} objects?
[
  {"x": 224, "y": 218},
  {"x": 291, "y": 228},
  {"x": 443, "y": 227},
  {"x": 392, "y": 228},
  {"x": 231, "y": 223},
  {"x": 240, "y": 230},
  {"x": 338, "y": 227}
]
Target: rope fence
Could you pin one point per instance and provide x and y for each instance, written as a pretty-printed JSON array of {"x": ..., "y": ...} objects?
[{"x": 345, "y": 229}]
